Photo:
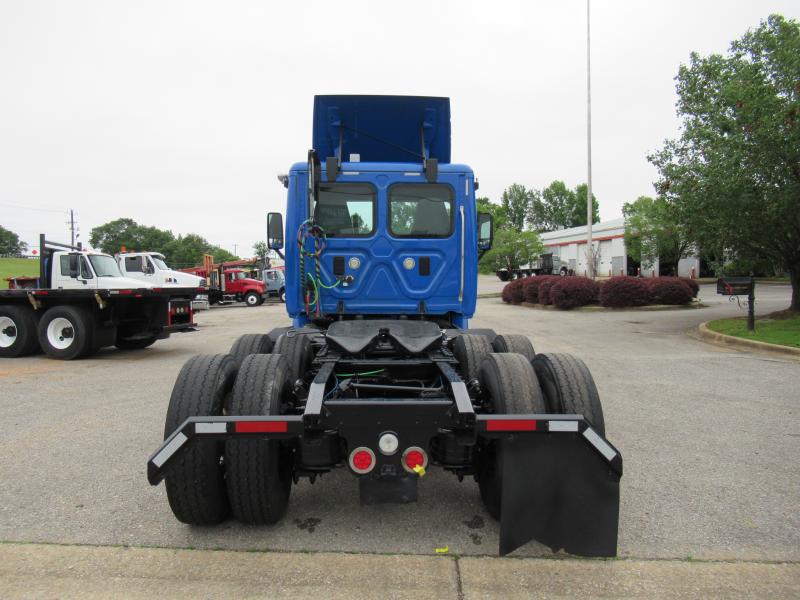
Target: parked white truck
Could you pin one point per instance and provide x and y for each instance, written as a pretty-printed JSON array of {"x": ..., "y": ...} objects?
[
  {"x": 82, "y": 302},
  {"x": 152, "y": 268}
]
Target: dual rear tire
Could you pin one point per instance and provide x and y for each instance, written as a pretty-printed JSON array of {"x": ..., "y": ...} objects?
[
  {"x": 248, "y": 477},
  {"x": 523, "y": 383},
  {"x": 18, "y": 335}
]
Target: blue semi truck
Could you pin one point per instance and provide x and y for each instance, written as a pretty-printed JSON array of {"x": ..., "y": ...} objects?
[{"x": 379, "y": 372}]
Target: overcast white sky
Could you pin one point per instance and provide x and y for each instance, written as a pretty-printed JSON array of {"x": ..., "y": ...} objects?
[{"x": 181, "y": 114}]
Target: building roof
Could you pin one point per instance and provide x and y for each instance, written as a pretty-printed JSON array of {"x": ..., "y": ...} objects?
[{"x": 605, "y": 228}]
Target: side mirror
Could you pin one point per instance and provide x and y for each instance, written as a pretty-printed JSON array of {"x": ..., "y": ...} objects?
[
  {"x": 275, "y": 231},
  {"x": 485, "y": 232},
  {"x": 74, "y": 265}
]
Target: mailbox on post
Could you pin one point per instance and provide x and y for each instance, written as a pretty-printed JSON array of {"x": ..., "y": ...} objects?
[
  {"x": 734, "y": 286},
  {"x": 740, "y": 286}
]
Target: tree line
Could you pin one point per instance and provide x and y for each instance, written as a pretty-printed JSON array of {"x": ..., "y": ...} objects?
[
  {"x": 523, "y": 214},
  {"x": 179, "y": 251}
]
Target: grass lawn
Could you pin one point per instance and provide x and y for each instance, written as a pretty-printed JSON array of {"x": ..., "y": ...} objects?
[
  {"x": 785, "y": 332},
  {"x": 17, "y": 267}
]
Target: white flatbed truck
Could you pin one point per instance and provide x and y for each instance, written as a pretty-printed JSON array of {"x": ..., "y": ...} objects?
[{"x": 83, "y": 303}]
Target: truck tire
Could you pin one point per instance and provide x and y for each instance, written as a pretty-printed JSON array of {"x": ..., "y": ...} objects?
[
  {"x": 511, "y": 384},
  {"x": 258, "y": 471},
  {"x": 470, "y": 349},
  {"x": 512, "y": 342},
  {"x": 195, "y": 481},
  {"x": 569, "y": 388},
  {"x": 250, "y": 343},
  {"x": 252, "y": 299},
  {"x": 282, "y": 295},
  {"x": 66, "y": 332},
  {"x": 297, "y": 351},
  {"x": 277, "y": 332},
  {"x": 135, "y": 344},
  {"x": 18, "y": 335}
]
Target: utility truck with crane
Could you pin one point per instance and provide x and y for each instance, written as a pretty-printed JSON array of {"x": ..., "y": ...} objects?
[
  {"x": 379, "y": 372},
  {"x": 82, "y": 302}
]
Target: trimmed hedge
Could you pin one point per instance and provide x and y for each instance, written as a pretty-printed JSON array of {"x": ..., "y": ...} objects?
[
  {"x": 545, "y": 287},
  {"x": 619, "y": 292},
  {"x": 532, "y": 287},
  {"x": 693, "y": 285},
  {"x": 669, "y": 290},
  {"x": 505, "y": 295},
  {"x": 513, "y": 291},
  {"x": 571, "y": 292}
]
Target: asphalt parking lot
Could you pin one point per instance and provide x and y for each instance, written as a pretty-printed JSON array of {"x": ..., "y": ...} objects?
[{"x": 709, "y": 435}]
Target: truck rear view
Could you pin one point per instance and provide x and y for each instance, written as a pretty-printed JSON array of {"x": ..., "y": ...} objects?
[{"x": 379, "y": 372}]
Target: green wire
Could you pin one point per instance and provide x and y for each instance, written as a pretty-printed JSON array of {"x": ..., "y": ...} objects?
[
  {"x": 316, "y": 289},
  {"x": 360, "y": 374},
  {"x": 329, "y": 287}
]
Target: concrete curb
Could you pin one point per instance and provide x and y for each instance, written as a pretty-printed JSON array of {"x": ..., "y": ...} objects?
[
  {"x": 722, "y": 339},
  {"x": 490, "y": 295},
  {"x": 651, "y": 308}
]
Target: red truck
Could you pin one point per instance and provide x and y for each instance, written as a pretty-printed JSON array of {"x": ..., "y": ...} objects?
[{"x": 227, "y": 285}]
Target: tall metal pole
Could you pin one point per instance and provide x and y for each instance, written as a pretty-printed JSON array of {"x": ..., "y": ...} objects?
[
  {"x": 72, "y": 227},
  {"x": 589, "y": 204}
]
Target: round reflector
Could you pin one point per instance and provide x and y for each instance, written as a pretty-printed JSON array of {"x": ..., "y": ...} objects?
[
  {"x": 413, "y": 457},
  {"x": 362, "y": 460},
  {"x": 388, "y": 443}
]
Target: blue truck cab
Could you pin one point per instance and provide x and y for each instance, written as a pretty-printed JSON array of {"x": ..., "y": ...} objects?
[{"x": 400, "y": 235}]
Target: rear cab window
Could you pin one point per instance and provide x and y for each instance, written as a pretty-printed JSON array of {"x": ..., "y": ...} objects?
[
  {"x": 346, "y": 209},
  {"x": 421, "y": 210}
]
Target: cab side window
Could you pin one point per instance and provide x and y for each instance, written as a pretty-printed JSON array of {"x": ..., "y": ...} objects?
[
  {"x": 133, "y": 264},
  {"x": 86, "y": 271}
]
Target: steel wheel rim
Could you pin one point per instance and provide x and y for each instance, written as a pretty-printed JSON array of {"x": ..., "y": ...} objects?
[
  {"x": 7, "y": 339},
  {"x": 60, "y": 333},
  {"x": 251, "y": 299}
]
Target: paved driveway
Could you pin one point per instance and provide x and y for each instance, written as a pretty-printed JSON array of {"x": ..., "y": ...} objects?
[{"x": 709, "y": 435}]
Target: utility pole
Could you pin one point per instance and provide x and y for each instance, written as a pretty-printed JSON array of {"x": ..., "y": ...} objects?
[
  {"x": 235, "y": 246},
  {"x": 72, "y": 227},
  {"x": 589, "y": 203}
]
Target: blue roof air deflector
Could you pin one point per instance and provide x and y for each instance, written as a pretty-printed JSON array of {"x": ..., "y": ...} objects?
[{"x": 382, "y": 128}]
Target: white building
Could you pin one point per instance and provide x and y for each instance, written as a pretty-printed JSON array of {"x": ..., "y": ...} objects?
[{"x": 608, "y": 241}]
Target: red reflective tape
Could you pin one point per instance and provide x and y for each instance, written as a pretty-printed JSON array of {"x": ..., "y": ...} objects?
[
  {"x": 262, "y": 427},
  {"x": 40, "y": 293},
  {"x": 511, "y": 425},
  {"x": 125, "y": 291}
]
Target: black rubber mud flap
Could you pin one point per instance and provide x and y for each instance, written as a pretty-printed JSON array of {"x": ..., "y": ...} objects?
[{"x": 559, "y": 491}]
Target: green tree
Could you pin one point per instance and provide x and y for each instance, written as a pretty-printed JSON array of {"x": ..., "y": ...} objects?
[
  {"x": 652, "y": 232},
  {"x": 558, "y": 207},
  {"x": 499, "y": 217},
  {"x": 261, "y": 250},
  {"x": 220, "y": 254},
  {"x": 114, "y": 235},
  {"x": 515, "y": 202},
  {"x": 578, "y": 217},
  {"x": 511, "y": 249},
  {"x": 9, "y": 242},
  {"x": 733, "y": 175}
]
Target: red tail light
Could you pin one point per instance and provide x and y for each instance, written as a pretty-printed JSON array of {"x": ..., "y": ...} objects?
[
  {"x": 362, "y": 460},
  {"x": 414, "y": 456}
]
